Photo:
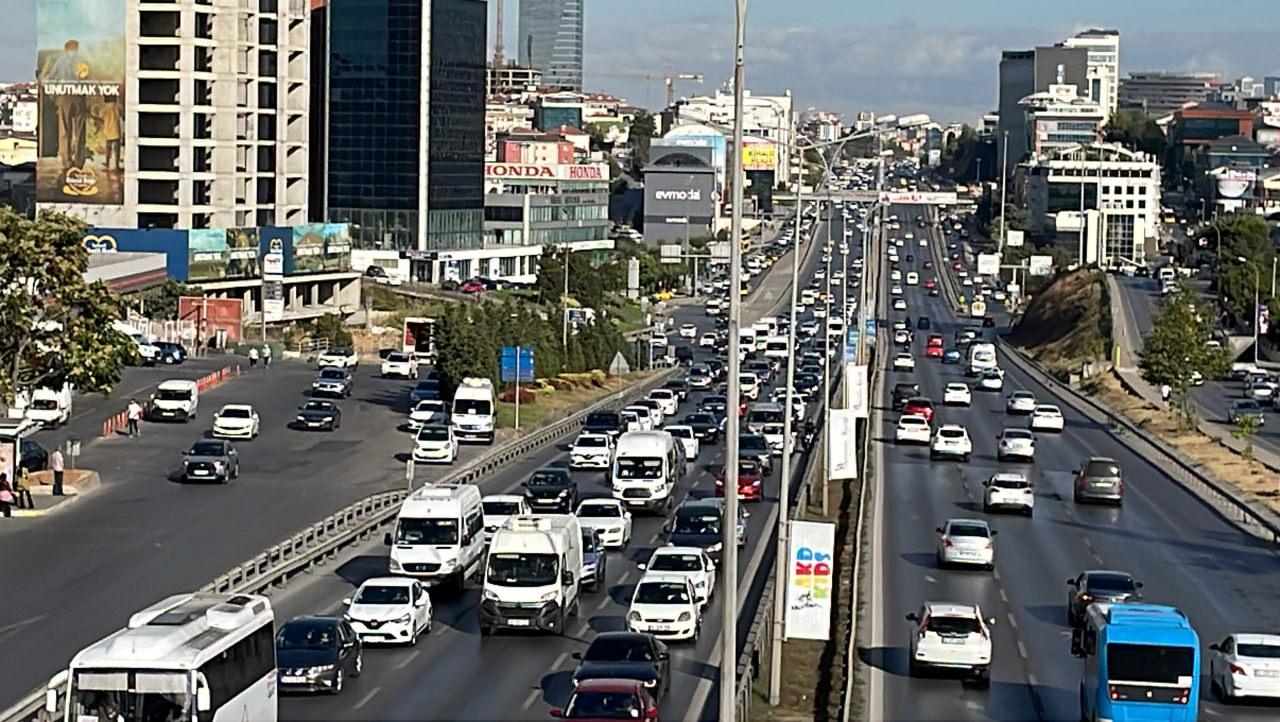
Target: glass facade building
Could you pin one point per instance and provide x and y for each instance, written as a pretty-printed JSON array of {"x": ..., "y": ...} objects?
[
  {"x": 380, "y": 90},
  {"x": 550, "y": 35}
]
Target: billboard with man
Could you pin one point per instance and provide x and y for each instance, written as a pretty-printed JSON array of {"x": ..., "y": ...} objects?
[{"x": 80, "y": 67}]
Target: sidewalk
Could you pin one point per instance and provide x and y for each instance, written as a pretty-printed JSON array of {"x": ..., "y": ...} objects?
[{"x": 46, "y": 502}]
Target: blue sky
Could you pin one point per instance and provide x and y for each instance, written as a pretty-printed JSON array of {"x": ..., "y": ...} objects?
[{"x": 935, "y": 56}]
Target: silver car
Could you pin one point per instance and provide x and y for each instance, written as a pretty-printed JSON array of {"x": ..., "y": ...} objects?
[
  {"x": 1246, "y": 408},
  {"x": 966, "y": 542}
]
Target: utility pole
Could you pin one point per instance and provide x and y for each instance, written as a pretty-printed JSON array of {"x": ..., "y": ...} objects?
[
  {"x": 564, "y": 321},
  {"x": 1004, "y": 181},
  {"x": 729, "y": 525}
]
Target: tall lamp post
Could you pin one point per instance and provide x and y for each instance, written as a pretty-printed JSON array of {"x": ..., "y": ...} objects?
[{"x": 1257, "y": 304}]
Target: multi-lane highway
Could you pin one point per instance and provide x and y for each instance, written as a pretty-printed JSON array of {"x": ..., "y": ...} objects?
[{"x": 1186, "y": 555}]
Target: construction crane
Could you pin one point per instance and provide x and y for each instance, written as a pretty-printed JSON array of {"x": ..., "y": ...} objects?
[
  {"x": 671, "y": 84},
  {"x": 497, "y": 39}
]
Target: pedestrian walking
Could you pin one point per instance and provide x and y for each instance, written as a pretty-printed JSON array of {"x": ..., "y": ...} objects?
[
  {"x": 253, "y": 357},
  {"x": 56, "y": 466},
  {"x": 134, "y": 415},
  {"x": 266, "y": 356},
  {"x": 6, "y": 495},
  {"x": 1165, "y": 390}
]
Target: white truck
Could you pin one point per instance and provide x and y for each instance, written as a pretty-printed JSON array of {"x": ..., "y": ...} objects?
[
  {"x": 533, "y": 574},
  {"x": 474, "y": 410}
]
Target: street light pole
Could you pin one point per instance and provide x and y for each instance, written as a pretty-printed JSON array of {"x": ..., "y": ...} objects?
[
  {"x": 729, "y": 524},
  {"x": 1004, "y": 181},
  {"x": 1257, "y": 310}
]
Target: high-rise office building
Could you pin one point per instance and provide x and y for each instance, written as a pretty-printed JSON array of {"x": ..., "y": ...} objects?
[
  {"x": 1103, "y": 47},
  {"x": 550, "y": 35},
  {"x": 199, "y": 108},
  {"x": 404, "y": 148},
  {"x": 1025, "y": 72},
  {"x": 1161, "y": 93}
]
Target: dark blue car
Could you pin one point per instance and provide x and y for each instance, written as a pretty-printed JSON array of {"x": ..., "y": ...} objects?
[
  {"x": 951, "y": 356},
  {"x": 170, "y": 352}
]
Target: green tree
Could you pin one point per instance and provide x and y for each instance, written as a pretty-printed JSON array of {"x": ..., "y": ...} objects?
[
  {"x": 330, "y": 327},
  {"x": 161, "y": 302},
  {"x": 1136, "y": 132},
  {"x": 55, "y": 328},
  {"x": 1246, "y": 428},
  {"x": 1016, "y": 216},
  {"x": 959, "y": 152},
  {"x": 1247, "y": 237},
  {"x": 1177, "y": 348},
  {"x": 643, "y": 128}
]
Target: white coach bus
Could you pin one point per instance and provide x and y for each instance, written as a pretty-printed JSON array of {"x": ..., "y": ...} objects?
[{"x": 190, "y": 658}]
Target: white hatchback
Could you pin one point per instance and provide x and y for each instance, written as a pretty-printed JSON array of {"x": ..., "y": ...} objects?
[
  {"x": 435, "y": 444},
  {"x": 1046, "y": 417},
  {"x": 1008, "y": 491},
  {"x": 904, "y": 362},
  {"x": 591, "y": 451},
  {"x": 389, "y": 609},
  {"x": 951, "y": 441},
  {"x": 708, "y": 340},
  {"x": 665, "y": 605},
  {"x": 957, "y": 393},
  {"x": 1020, "y": 402},
  {"x": 966, "y": 542},
  {"x": 608, "y": 517},
  {"x": 1016, "y": 444},
  {"x": 692, "y": 562},
  {"x": 913, "y": 429},
  {"x": 688, "y": 330}
]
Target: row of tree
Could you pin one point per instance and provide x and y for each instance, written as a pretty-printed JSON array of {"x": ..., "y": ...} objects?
[
  {"x": 470, "y": 337},
  {"x": 1238, "y": 246}
]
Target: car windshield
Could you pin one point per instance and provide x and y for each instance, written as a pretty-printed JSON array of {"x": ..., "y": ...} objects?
[
  {"x": 474, "y": 407},
  {"x": 307, "y": 635},
  {"x": 501, "y": 508},
  {"x": 699, "y": 523},
  {"x": 1018, "y": 434},
  {"x": 427, "y": 531},
  {"x": 600, "y": 511},
  {"x": 1010, "y": 483},
  {"x": 753, "y": 442},
  {"x": 1109, "y": 583},
  {"x": 431, "y": 407},
  {"x": 676, "y": 563},
  {"x": 680, "y": 432},
  {"x": 604, "y": 705},
  {"x": 173, "y": 395},
  {"x": 522, "y": 570},
  {"x": 597, "y": 442},
  {"x": 338, "y": 352},
  {"x": 602, "y": 419},
  {"x": 546, "y": 478},
  {"x": 433, "y": 433},
  {"x": 661, "y": 593},
  {"x": 1101, "y": 468},
  {"x": 619, "y": 649},
  {"x": 953, "y": 625},
  {"x": 427, "y": 385},
  {"x": 964, "y": 529},
  {"x": 1261, "y": 651},
  {"x": 634, "y": 468},
  {"x": 207, "y": 448},
  {"x": 699, "y": 420},
  {"x": 332, "y": 373},
  {"x": 236, "y": 413},
  {"x": 317, "y": 406},
  {"x": 378, "y": 594},
  {"x": 396, "y": 357}
]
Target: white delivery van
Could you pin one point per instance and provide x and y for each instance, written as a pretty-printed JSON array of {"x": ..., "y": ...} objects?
[
  {"x": 913, "y": 278},
  {"x": 49, "y": 407},
  {"x": 474, "y": 406},
  {"x": 646, "y": 467},
  {"x": 439, "y": 535},
  {"x": 776, "y": 347},
  {"x": 533, "y": 574},
  {"x": 747, "y": 339},
  {"x": 982, "y": 357},
  {"x": 175, "y": 400}
]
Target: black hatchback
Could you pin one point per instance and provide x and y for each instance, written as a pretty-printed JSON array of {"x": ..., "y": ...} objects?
[
  {"x": 904, "y": 392},
  {"x": 551, "y": 490},
  {"x": 317, "y": 654}
]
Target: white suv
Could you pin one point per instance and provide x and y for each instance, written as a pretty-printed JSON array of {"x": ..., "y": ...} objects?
[
  {"x": 913, "y": 429},
  {"x": 1008, "y": 491},
  {"x": 950, "y": 636},
  {"x": 952, "y": 440},
  {"x": 957, "y": 394}
]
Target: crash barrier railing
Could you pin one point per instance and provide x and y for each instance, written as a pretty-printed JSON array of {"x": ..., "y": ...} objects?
[
  {"x": 1227, "y": 502},
  {"x": 320, "y": 542},
  {"x": 208, "y": 381}
]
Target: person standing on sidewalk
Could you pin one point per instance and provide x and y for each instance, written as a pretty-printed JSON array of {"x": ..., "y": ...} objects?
[
  {"x": 24, "y": 500},
  {"x": 133, "y": 416},
  {"x": 6, "y": 495},
  {"x": 253, "y": 357},
  {"x": 1165, "y": 390},
  {"x": 266, "y": 356},
  {"x": 56, "y": 466}
]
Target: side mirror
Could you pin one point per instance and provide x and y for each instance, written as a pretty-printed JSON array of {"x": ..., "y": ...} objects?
[
  {"x": 994, "y": 532},
  {"x": 386, "y": 539},
  {"x": 1215, "y": 647},
  {"x": 577, "y": 655},
  {"x": 203, "y": 703},
  {"x": 1138, "y": 585},
  {"x": 1072, "y": 582},
  {"x": 51, "y": 701},
  {"x": 556, "y": 712},
  {"x": 991, "y": 621},
  {"x": 642, "y": 566},
  {"x": 938, "y": 529},
  {"x": 346, "y": 601},
  {"x": 664, "y": 656},
  {"x": 626, "y": 515},
  {"x": 913, "y": 617}
]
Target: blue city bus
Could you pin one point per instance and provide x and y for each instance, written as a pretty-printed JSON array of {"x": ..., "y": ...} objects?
[{"x": 1141, "y": 662}]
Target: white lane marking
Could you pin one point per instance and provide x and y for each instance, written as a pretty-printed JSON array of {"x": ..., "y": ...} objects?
[
  {"x": 1013, "y": 621},
  {"x": 10, "y": 629},
  {"x": 1004, "y": 597},
  {"x": 931, "y": 579},
  {"x": 1031, "y": 679},
  {"x": 604, "y": 602},
  {"x": 1022, "y": 649},
  {"x": 534, "y": 694},
  {"x": 656, "y": 536},
  {"x": 367, "y": 698},
  {"x": 626, "y": 577},
  {"x": 560, "y": 660},
  {"x": 412, "y": 656}
]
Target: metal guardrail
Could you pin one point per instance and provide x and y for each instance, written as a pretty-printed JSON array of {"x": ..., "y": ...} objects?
[{"x": 320, "y": 542}]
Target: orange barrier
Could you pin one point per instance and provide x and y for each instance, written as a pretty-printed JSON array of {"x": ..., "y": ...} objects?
[{"x": 208, "y": 381}]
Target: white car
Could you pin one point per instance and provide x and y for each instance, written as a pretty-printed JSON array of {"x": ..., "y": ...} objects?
[
  {"x": 644, "y": 415},
  {"x": 948, "y": 635},
  {"x": 631, "y": 420},
  {"x": 951, "y": 440},
  {"x": 819, "y": 311},
  {"x": 691, "y": 562},
  {"x": 428, "y": 411},
  {"x": 1245, "y": 665},
  {"x": 400, "y": 365},
  {"x": 1046, "y": 417},
  {"x": 991, "y": 380},
  {"x": 591, "y": 451},
  {"x": 774, "y": 435},
  {"x": 495, "y": 509},
  {"x": 1016, "y": 444},
  {"x": 389, "y": 609},
  {"x": 924, "y": 242},
  {"x": 902, "y": 337},
  {"x": 709, "y": 340},
  {"x": 435, "y": 444},
  {"x": 686, "y": 437},
  {"x": 1005, "y": 490},
  {"x": 236, "y": 421},
  {"x": 1020, "y": 402},
  {"x": 837, "y": 275},
  {"x": 899, "y": 304},
  {"x": 688, "y": 330},
  {"x": 957, "y": 393},
  {"x": 913, "y": 429},
  {"x": 665, "y": 605},
  {"x": 895, "y": 275},
  {"x": 895, "y": 290},
  {"x": 904, "y": 362},
  {"x": 608, "y": 517},
  {"x": 667, "y": 400},
  {"x": 341, "y": 357}
]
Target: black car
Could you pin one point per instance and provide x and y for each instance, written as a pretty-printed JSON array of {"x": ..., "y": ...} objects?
[
  {"x": 904, "y": 392},
  {"x": 807, "y": 382},
  {"x": 426, "y": 389},
  {"x": 170, "y": 352},
  {"x": 317, "y": 654},
  {"x": 594, "y": 560},
  {"x": 756, "y": 447},
  {"x": 32, "y": 457},
  {"x": 684, "y": 354},
  {"x": 706, "y": 427},
  {"x": 551, "y": 490},
  {"x": 603, "y": 422},
  {"x": 717, "y": 368},
  {"x": 697, "y": 523},
  {"x": 680, "y": 386},
  {"x": 1099, "y": 586},
  {"x": 318, "y": 414},
  {"x": 626, "y": 655},
  {"x": 923, "y": 323},
  {"x": 714, "y": 404}
]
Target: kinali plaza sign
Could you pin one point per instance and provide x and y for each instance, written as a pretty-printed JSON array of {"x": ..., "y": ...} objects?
[{"x": 547, "y": 171}]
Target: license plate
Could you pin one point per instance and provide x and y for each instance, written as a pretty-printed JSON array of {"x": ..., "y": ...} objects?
[
  {"x": 952, "y": 641},
  {"x": 518, "y": 622},
  {"x": 292, "y": 680},
  {"x": 199, "y": 472},
  {"x": 1268, "y": 673},
  {"x": 660, "y": 627}
]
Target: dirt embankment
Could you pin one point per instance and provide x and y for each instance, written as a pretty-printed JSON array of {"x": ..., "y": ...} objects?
[{"x": 1068, "y": 324}]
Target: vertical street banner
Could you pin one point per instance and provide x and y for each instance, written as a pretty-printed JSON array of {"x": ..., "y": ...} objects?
[
  {"x": 80, "y": 65},
  {"x": 810, "y": 588},
  {"x": 842, "y": 451},
  {"x": 855, "y": 390}
]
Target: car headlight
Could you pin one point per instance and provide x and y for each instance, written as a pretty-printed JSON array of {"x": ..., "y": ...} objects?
[
  {"x": 319, "y": 669},
  {"x": 548, "y": 597},
  {"x": 651, "y": 683},
  {"x": 394, "y": 565},
  {"x": 490, "y": 596},
  {"x": 563, "y": 494},
  {"x": 405, "y": 619},
  {"x": 715, "y": 547},
  {"x": 301, "y": 418},
  {"x": 684, "y": 617},
  {"x": 327, "y": 418},
  {"x": 448, "y": 564},
  {"x": 633, "y": 616}
]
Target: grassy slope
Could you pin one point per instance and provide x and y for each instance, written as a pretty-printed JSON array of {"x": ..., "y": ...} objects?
[{"x": 1068, "y": 323}]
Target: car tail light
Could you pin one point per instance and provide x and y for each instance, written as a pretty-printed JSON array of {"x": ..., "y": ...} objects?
[
  {"x": 948, "y": 543},
  {"x": 1237, "y": 669},
  {"x": 1085, "y": 598}
]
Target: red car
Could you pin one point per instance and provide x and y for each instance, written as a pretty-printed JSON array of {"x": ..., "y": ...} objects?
[
  {"x": 750, "y": 481},
  {"x": 473, "y": 286},
  {"x": 935, "y": 339},
  {"x": 930, "y": 282},
  {"x": 920, "y": 406},
  {"x": 957, "y": 266},
  {"x": 933, "y": 352},
  {"x": 609, "y": 699}
]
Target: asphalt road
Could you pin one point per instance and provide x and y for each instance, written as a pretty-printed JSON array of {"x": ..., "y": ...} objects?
[
  {"x": 143, "y": 535},
  {"x": 1186, "y": 555},
  {"x": 530, "y": 673}
]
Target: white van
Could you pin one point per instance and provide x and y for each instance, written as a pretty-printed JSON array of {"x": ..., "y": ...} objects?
[
  {"x": 982, "y": 357},
  {"x": 1166, "y": 273},
  {"x": 913, "y": 278},
  {"x": 835, "y": 328},
  {"x": 646, "y": 467},
  {"x": 473, "y": 410},
  {"x": 175, "y": 400},
  {"x": 747, "y": 338},
  {"x": 749, "y": 385},
  {"x": 777, "y": 347},
  {"x": 533, "y": 574},
  {"x": 439, "y": 535},
  {"x": 49, "y": 407}
]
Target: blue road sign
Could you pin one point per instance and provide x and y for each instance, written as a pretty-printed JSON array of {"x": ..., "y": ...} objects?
[{"x": 514, "y": 369}]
